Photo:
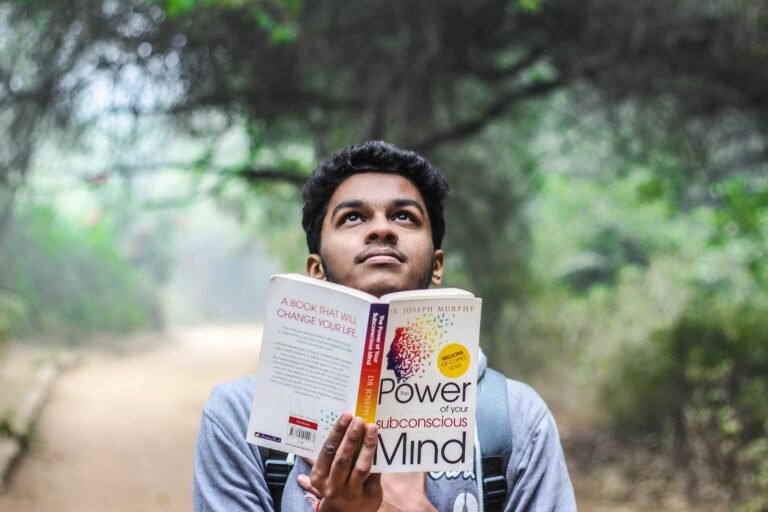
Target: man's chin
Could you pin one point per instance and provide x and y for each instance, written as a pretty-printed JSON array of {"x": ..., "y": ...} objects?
[
  {"x": 379, "y": 288},
  {"x": 380, "y": 280},
  {"x": 385, "y": 283}
]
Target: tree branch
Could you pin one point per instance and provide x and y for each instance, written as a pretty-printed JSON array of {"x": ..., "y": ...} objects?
[
  {"x": 495, "y": 74},
  {"x": 253, "y": 176},
  {"x": 746, "y": 160},
  {"x": 250, "y": 175},
  {"x": 471, "y": 126}
]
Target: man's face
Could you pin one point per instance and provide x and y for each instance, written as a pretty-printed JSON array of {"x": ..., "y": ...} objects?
[{"x": 376, "y": 237}]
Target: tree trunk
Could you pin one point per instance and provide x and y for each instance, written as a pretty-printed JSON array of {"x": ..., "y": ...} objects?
[{"x": 7, "y": 196}]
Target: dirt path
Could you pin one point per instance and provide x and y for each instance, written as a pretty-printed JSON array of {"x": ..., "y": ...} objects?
[{"x": 119, "y": 431}]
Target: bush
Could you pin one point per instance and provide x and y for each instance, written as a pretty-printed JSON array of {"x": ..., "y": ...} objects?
[
  {"x": 70, "y": 280},
  {"x": 704, "y": 379},
  {"x": 11, "y": 315}
]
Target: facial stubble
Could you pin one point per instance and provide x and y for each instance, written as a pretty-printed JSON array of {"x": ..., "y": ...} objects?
[{"x": 424, "y": 281}]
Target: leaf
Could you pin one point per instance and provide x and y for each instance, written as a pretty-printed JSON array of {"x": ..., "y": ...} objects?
[
  {"x": 175, "y": 8},
  {"x": 531, "y": 6}
]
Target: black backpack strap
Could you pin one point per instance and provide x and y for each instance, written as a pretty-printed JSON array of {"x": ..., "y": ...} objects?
[
  {"x": 277, "y": 467},
  {"x": 495, "y": 435}
]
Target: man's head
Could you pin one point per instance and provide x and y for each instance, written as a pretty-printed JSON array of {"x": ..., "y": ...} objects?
[{"x": 373, "y": 217}]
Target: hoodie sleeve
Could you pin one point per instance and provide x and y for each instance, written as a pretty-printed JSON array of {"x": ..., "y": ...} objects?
[
  {"x": 537, "y": 476},
  {"x": 228, "y": 472}
]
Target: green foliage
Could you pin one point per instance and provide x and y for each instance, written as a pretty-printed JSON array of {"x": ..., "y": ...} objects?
[
  {"x": 606, "y": 252},
  {"x": 276, "y": 17},
  {"x": 70, "y": 280},
  {"x": 704, "y": 379},
  {"x": 652, "y": 282},
  {"x": 528, "y": 5},
  {"x": 275, "y": 217},
  {"x": 12, "y": 314},
  {"x": 278, "y": 222},
  {"x": 6, "y": 424},
  {"x": 487, "y": 236},
  {"x": 745, "y": 215}
]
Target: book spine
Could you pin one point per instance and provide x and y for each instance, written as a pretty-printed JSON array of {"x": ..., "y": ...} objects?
[{"x": 368, "y": 388}]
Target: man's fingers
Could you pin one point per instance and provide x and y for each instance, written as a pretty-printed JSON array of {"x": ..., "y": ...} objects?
[
  {"x": 342, "y": 463},
  {"x": 362, "y": 468},
  {"x": 306, "y": 484},
  {"x": 322, "y": 466},
  {"x": 373, "y": 488}
]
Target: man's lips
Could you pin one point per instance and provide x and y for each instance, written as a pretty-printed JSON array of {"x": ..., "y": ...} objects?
[{"x": 380, "y": 257}]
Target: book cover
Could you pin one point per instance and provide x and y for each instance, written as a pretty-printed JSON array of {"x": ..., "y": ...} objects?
[{"x": 406, "y": 361}]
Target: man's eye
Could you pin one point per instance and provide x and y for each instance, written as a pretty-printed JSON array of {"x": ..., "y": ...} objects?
[
  {"x": 403, "y": 216},
  {"x": 351, "y": 217}
]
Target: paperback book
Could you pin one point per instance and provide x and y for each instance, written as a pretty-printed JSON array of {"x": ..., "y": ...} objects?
[{"x": 406, "y": 361}]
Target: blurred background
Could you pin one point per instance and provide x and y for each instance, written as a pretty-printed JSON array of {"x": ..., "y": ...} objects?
[{"x": 608, "y": 162}]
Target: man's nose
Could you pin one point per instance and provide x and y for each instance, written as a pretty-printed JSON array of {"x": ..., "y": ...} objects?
[{"x": 380, "y": 228}]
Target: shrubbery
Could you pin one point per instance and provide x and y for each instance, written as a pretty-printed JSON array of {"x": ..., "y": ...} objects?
[
  {"x": 11, "y": 314},
  {"x": 71, "y": 280},
  {"x": 665, "y": 313},
  {"x": 704, "y": 379}
]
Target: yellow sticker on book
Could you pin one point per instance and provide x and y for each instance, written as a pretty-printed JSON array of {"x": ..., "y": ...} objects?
[{"x": 453, "y": 360}]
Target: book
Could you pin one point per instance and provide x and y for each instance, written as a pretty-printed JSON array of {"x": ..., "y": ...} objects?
[{"x": 406, "y": 361}]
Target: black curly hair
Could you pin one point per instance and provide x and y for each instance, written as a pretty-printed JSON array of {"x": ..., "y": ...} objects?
[{"x": 372, "y": 156}]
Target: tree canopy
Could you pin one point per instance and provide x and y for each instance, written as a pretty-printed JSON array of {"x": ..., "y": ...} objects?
[
  {"x": 423, "y": 75},
  {"x": 685, "y": 76}
]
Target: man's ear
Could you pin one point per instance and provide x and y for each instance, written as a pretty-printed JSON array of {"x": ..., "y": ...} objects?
[
  {"x": 315, "y": 267},
  {"x": 438, "y": 261}
]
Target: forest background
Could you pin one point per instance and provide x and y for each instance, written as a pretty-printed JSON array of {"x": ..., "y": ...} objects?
[{"x": 607, "y": 158}]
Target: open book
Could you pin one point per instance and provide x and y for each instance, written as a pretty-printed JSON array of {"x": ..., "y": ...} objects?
[{"x": 406, "y": 361}]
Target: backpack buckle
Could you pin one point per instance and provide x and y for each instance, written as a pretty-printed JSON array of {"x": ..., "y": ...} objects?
[
  {"x": 494, "y": 480},
  {"x": 276, "y": 472}
]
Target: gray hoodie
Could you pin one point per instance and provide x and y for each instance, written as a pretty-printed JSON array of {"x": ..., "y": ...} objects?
[{"x": 229, "y": 472}]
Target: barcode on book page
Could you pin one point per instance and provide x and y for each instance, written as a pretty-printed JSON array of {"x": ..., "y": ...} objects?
[
  {"x": 301, "y": 434},
  {"x": 301, "y": 430}
]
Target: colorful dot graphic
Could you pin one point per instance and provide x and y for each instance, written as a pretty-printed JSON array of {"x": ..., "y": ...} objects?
[{"x": 414, "y": 343}]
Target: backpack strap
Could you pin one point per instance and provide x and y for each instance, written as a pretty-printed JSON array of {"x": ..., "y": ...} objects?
[
  {"x": 495, "y": 435},
  {"x": 277, "y": 467}
]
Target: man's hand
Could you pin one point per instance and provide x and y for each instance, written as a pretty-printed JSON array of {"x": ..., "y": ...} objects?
[
  {"x": 405, "y": 492},
  {"x": 342, "y": 485}
]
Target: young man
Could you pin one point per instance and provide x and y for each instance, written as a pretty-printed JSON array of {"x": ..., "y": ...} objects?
[{"x": 373, "y": 217}]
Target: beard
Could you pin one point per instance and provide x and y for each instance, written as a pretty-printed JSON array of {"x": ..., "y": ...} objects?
[{"x": 424, "y": 281}]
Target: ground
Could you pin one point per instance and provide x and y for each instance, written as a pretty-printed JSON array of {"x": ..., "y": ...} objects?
[{"x": 119, "y": 429}]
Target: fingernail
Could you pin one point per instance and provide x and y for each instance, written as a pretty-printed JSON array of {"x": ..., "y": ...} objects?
[
  {"x": 302, "y": 479},
  {"x": 344, "y": 419},
  {"x": 357, "y": 424}
]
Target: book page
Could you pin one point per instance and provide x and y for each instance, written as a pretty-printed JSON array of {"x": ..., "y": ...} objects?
[
  {"x": 309, "y": 365},
  {"x": 428, "y": 387},
  {"x": 427, "y": 293}
]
